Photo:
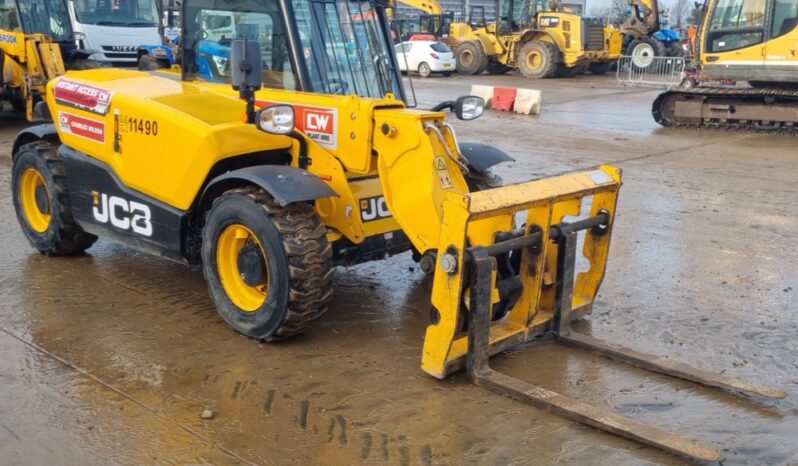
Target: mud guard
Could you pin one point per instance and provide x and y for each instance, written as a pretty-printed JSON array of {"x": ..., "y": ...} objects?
[
  {"x": 482, "y": 156},
  {"x": 286, "y": 184},
  {"x": 34, "y": 133}
]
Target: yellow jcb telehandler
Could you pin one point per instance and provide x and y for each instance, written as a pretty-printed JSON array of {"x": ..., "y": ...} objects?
[{"x": 312, "y": 159}]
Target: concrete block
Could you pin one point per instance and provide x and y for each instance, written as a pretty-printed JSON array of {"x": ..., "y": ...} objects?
[
  {"x": 486, "y": 92},
  {"x": 527, "y": 101}
]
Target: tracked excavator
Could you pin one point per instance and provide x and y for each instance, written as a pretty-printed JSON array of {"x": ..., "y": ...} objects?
[
  {"x": 308, "y": 157},
  {"x": 741, "y": 40}
]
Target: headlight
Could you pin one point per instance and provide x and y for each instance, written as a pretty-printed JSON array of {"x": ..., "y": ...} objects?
[
  {"x": 159, "y": 53},
  {"x": 469, "y": 107},
  {"x": 221, "y": 64},
  {"x": 276, "y": 119}
]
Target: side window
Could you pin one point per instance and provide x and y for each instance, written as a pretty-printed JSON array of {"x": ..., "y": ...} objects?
[
  {"x": 736, "y": 24},
  {"x": 785, "y": 17},
  {"x": 8, "y": 16},
  {"x": 211, "y": 35}
]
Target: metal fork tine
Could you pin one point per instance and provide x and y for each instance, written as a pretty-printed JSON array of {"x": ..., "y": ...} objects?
[{"x": 667, "y": 366}]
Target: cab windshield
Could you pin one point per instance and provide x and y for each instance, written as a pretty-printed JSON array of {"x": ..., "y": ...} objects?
[
  {"x": 346, "y": 48},
  {"x": 124, "y": 13}
]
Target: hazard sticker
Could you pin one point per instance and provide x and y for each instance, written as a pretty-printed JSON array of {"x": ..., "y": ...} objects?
[
  {"x": 443, "y": 173},
  {"x": 83, "y": 96},
  {"x": 83, "y": 127}
]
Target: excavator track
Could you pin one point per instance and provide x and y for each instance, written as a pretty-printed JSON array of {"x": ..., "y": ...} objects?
[{"x": 768, "y": 110}]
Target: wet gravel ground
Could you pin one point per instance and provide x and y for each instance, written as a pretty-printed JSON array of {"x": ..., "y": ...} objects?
[{"x": 110, "y": 358}]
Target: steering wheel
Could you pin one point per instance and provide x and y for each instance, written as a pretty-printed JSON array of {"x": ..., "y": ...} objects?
[{"x": 338, "y": 86}]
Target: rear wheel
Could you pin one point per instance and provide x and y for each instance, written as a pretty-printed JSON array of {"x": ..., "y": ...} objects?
[
  {"x": 269, "y": 268},
  {"x": 537, "y": 59},
  {"x": 599, "y": 67},
  {"x": 41, "y": 201},
  {"x": 424, "y": 70},
  {"x": 470, "y": 58},
  {"x": 644, "y": 53}
]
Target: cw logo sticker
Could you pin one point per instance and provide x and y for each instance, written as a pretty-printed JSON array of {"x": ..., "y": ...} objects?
[{"x": 122, "y": 214}]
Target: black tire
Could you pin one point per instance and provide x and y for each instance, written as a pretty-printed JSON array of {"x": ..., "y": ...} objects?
[
  {"x": 62, "y": 235},
  {"x": 424, "y": 70},
  {"x": 674, "y": 49},
  {"x": 643, "y": 52},
  {"x": 496, "y": 68},
  {"x": 298, "y": 261},
  {"x": 599, "y": 67},
  {"x": 149, "y": 63},
  {"x": 470, "y": 58},
  {"x": 538, "y": 59},
  {"x": 688, "y": 83},
  {"x": 80, "y": 64},
  {"x": 18, "y": 102},
  {"x": 565, "y": 72}
]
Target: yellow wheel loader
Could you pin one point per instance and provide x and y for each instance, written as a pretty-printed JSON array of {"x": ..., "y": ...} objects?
[
  {"x": 741, "y": 40},
  {"x": 310, "y": 158},
  {"x": 540, "y": 39}
]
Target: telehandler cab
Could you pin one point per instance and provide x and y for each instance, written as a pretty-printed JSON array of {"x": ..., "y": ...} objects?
[{"x": 311, "y": 160}]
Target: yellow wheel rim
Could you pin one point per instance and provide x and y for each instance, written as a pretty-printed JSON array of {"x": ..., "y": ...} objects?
[
  {"x": 247, "y": 293},
  {"x": 36, "y": 212},
  {"x": 534, "y": 60},
  {"x": 467, "y": 57}
]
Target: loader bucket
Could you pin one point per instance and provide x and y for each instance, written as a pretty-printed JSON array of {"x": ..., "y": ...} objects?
[{"x": 495, "y": 288}]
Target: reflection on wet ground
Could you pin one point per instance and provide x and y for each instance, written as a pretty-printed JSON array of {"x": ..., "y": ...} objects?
[{"x": 111, "y": 357}]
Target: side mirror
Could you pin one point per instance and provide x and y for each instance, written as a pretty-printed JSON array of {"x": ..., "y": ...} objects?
[
  {"x": 246, "y": 64},
  {"x": 469, "y": 107},
  {"x": 275, "y": 119}
]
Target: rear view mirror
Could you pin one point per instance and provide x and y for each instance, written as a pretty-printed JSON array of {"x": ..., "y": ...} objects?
[
  {"x": 469, "y": 107},
  {"x": 246, "y": 64}
]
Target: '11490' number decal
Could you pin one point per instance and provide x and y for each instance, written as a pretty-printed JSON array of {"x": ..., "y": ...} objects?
[{"x": 139, "y": 125}]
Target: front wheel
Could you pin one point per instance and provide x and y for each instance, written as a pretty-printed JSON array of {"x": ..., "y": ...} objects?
[
  {"x": 268, "y": 267},
  {"x": 424, "y": 70},
  {"x": 537, "y": 59}
]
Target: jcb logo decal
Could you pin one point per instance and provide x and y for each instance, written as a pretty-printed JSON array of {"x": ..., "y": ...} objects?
[
  {"x": 374, "y": 208},
  {"x": 122, "y": 214}
]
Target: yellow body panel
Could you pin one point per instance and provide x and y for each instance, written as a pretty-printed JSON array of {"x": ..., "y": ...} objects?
[{"x": 201, "y": 124}]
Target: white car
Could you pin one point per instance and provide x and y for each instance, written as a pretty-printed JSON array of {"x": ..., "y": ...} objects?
[{"x": 425, "y": 57}]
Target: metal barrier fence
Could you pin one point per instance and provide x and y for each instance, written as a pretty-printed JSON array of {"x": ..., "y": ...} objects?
[{"x": 657, "y": 72}]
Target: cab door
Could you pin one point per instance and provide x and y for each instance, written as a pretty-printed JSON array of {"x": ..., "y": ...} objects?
[
  {"x": 735, "y": 37},
  {"x": 781, "y": 52}
]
